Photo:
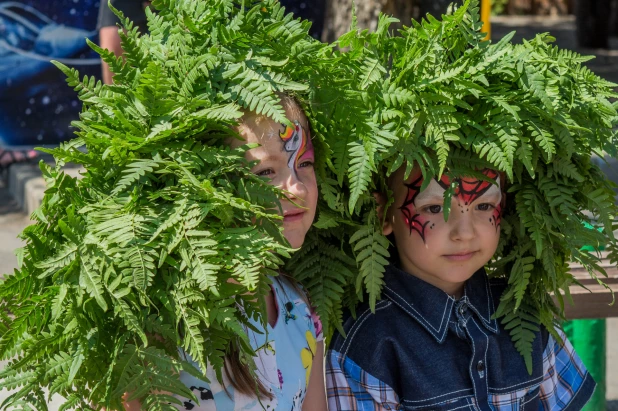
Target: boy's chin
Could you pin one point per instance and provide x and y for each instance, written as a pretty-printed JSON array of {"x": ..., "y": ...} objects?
[{"x": 462, "y": 275}]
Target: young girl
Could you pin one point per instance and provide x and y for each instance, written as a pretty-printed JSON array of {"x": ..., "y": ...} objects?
[{"x": 290, "y": 350}]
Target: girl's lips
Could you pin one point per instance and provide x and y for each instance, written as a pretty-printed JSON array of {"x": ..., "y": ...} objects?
[
  {"x": 460, "y": 256},
  {"x": 293, "y": 216}
]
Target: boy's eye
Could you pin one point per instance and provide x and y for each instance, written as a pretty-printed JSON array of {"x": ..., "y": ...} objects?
[
  {"x": 484, "y": 207},
  {"x": 434, "y": 209},
  {"x": 265, "y": 173},
  {"x": 306, "y": 164}
]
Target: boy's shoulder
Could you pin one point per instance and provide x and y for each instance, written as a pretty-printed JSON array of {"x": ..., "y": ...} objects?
[
  {"x": 364, "y": 326},
  {"x": 368, "y": 349},
  {"x": 400, "y": 301},
  {"x": 418, "y": 336},
  {"x": 412, "y": 319}
]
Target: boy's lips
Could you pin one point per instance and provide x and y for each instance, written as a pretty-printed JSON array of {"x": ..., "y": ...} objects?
[
  {"x": 293, "y": 216},
  {"x": 462, "y": 256}
]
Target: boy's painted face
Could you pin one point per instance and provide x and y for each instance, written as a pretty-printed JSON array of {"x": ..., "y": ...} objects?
[
  {"x": 445, "y": 253},
  {"x": 286, "y": 157}
]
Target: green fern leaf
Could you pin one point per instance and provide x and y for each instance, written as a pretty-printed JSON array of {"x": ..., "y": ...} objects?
[
  {"x": 372, "y": 254},
  {"x": 361, "y": 166}
]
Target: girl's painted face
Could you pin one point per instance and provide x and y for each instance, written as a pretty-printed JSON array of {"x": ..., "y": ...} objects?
[
  {"x": 286, "y": 156},
  {"x": 297, "y": 143},
  {"x": 445, "y": 253}
]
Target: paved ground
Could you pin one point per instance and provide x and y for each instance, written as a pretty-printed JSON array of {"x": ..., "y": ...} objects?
[{"x": 12, "y": 222}]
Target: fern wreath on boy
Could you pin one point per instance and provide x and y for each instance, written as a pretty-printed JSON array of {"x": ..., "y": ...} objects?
[{"x": 508, "y": 129}]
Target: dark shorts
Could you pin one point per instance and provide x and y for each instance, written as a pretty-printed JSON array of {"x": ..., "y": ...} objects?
[
  {"x": 312, "y": 10},
  {"x": 133, "y": 9}
]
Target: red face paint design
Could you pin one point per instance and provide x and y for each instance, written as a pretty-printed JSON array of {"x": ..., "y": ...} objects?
[
  {"x": 468, "y": 190},
  {"x": 412, "y": 218},
  {"x": 297, "y": 143},
  {"x": 496, "y": 217}
]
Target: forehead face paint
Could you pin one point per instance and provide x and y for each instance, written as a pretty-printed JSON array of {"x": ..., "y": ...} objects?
[
  {"x": 297, "y": 143},
  {"x": 469, "y": 189}
]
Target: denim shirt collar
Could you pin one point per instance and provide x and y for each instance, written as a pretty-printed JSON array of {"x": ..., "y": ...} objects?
[{"x": 432, "y": 307}]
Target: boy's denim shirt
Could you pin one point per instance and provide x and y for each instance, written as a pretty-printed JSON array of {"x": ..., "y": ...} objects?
[{"x": 424, "y": 350}]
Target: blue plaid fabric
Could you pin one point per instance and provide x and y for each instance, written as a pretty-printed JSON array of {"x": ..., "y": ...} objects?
[
  {"x": 349, "y": 387},
  {"x": 565, "y": 375}
]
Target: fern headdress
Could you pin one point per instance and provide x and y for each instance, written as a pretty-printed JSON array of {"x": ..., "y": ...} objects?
[
  {"x": 439, "y": 96},
  {"x": 165, "y": 214}
]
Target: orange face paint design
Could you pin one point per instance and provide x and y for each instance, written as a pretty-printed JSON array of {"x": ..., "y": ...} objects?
[{"x": 297, "y": 143}]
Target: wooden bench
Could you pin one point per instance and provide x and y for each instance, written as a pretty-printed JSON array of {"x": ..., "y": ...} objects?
[{"x": 593, "y": 303}]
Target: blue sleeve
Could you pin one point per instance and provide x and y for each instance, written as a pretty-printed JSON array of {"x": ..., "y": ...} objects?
[
  {"x": 566, "y": 385},
  {"x": 350, "y": 388}
]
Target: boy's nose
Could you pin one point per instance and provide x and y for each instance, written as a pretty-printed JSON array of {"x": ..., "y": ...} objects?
[{"x": 462, "y": 227}]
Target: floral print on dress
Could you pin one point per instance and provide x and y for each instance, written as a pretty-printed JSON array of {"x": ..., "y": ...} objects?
[
  {"x": 307, "y": 354},
  {"x": 297, "y": 400},
  {"x": 289, "y": 307},
  {"x": 280, "y": 378},
  {"x": 285, "y": 354},
  {"x": 317, "y": 325}
]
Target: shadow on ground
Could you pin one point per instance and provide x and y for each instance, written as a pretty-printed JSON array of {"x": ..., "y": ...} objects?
[{"x": 8, "y": 204}]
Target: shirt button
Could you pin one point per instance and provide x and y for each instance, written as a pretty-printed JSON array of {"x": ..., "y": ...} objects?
[
  {"x": 462, "y": 309},
  {"x": 480, "y": 367}
]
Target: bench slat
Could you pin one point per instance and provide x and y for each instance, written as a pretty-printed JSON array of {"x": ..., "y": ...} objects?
[{"x": 594, "y": 302}]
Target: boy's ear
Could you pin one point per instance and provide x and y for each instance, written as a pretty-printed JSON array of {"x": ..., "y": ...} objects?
[{"x": 387, "y": 227}]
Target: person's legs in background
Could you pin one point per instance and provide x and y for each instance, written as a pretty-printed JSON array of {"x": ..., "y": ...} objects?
[
  {"x": 108, "y": 30},
  {"x": 9, "y": 157}
]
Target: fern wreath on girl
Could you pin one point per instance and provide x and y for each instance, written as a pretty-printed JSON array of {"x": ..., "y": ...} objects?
[
  {"x": 153, "y": 282},
  {"x": 288, "y": 377}
]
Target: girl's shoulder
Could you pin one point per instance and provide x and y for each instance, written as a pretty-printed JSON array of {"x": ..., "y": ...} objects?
[
  {"x": 288, "y": 285},
  {"x": 293, "y": 304}
]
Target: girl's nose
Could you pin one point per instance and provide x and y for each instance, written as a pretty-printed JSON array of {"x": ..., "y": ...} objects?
[{"x": 296, "y": 188}]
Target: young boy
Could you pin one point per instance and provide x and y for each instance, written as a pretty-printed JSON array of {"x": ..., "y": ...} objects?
[{"x": 433, "y": 342}]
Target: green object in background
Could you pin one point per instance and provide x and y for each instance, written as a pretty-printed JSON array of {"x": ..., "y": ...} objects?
[
  {"x": 589, "y": 247},
  {"x": 588, "y": 339}
]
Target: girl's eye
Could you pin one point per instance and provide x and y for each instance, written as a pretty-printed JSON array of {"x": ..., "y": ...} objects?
[
  {"x": 484, "y": 207},
  {"x": 306, "y": 164},
  {"x": 265, "y": 173},
  {"x": 434, "y": 209}
]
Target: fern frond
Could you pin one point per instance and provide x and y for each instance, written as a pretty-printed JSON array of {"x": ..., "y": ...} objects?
[
  {"x": 371, "y": 249},
  {"x": 361, "y": 166}
]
